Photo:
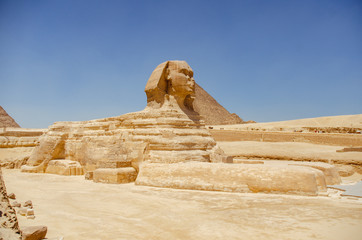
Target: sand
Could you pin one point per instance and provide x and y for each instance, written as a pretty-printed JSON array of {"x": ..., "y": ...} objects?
[
  {"x": 291, "y": 151},
  {"x": 78, "y": 209},
  {"x": 343, "y": 121}
]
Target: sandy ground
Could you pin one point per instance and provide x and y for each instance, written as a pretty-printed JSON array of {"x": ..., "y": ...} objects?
[
  {"x": 78, "y": 209},
  {"x": 347, "y": 121},
  {"x": 290, "y": 150}
]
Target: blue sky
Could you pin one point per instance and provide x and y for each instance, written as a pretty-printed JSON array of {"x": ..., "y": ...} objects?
[{"x": 266, "y": 60}]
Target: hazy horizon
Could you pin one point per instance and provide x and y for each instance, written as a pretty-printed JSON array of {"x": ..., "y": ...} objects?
[{"x": 265, "y": 61}]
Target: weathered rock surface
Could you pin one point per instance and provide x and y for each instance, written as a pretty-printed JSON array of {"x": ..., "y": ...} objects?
[
  {"x": 16, "y": 145},
  {"x": 115, "y": 175},
  {"x": 12, "y": 196},
  {"x": 233, "y": 177},
  {"x": 28, "y": 204},
  {"x": 330, "y": 172},
  {"x": 16, "y": 204},
  {"x": 19, "y": 137},
  {"x": 34, "y": 232},
  {"x": 211, "y": 111},
  {"x": 6, "y": 120},
  {"x": 64, "y": 167},
  {"x": 9, "y": 227}
]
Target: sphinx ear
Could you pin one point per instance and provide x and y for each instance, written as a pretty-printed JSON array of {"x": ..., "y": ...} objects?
[{"x": 156, "y": 87}]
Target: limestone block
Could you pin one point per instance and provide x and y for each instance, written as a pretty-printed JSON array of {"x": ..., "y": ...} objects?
[
  {"x": 64, "y": 167},
  {"x": 233, "y": 177},
  {"x": 32, "y": 169},
  {"x": 88, "y": 175},
  {"x": 115, "y": 175},
  {"x": 30, "y": 212},
  {"x": 34, "y": 232},
  {"x": 12, "y": 196},
  {"x": 247, "y": 161},
  {"x": 22, "y": 211},
  {"x": 51, "y": 147},
  {"x": 114, "y": 164},
  {"x": 330, "y": 172},
  {"x": 16, "y": 204},
  {"x": 28, "y": 204},
  {"x": 9, "y": 227},
  {"x": 345, "y": 170}
]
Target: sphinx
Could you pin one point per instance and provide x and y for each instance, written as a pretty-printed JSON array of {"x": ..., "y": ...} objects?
[
  {"x": 164, "y": 145},
  {"x": 168, "y": 130}
]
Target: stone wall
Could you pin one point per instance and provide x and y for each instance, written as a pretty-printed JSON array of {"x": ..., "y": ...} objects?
[
  {"x": 9, "y": 227},
  {"x": 19, "y": 137},
  {"x": 317, "y": 138}
]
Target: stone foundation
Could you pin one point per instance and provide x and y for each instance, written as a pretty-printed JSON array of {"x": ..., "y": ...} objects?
[
  {"x": 248, "y": 178},
  {"x": 115, "y": 175}
]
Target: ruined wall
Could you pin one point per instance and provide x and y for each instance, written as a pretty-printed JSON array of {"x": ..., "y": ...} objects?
[
  {"x": 9, "y": 227},
  {"x": 317, "y": 138}
]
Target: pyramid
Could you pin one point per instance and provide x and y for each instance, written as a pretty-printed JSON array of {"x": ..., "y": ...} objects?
[
  {"x": 6, "y": 120},
  {"x": 211, "y": 111}
]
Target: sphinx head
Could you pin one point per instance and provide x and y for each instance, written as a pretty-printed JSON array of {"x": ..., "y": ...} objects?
[{"x": 172, "y": 78}]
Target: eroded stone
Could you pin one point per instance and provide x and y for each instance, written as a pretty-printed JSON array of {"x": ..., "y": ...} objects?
[
  {"x": 233, "y": 177},
  {"x": 64, "y": 167},
  {"x": 34, "y": 232}
]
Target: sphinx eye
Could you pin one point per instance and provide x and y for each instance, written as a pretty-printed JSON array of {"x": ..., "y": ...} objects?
[{"x": 184, "y": 71}]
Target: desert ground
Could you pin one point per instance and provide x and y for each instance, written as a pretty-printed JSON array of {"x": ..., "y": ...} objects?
[
  {"x": 343, "y": 121},
  {"x": 77, "y": 209},
  {"x": 74, "y": 208}
]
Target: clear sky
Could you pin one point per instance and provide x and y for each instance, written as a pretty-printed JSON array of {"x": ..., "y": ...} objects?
[{"x": 67, "y": 60}]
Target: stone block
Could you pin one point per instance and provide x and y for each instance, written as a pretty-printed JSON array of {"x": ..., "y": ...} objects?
[
  {"x": 330, "y": 172},
  {"x": 16, "y": 204},
  {"x": 64, "y": 167},
  {"x": 88, "y": 175},
  {"x": 34, "y": 232},
  {"x": 22, "y": 211},
  {"x": 114, "y": 164},
  {"x": 12, "y": 196},
  {"x": 115, "y": 175},
  {"x": 233, "y": 177},
  {"x": 30, "y": 212},
  {"x": 345, "y": 170},
  {"x": 246, "y": 161},
  {"x": 28, "y": 204}
]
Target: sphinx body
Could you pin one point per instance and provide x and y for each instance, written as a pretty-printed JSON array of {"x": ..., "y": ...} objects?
[
  {"x": 166, "y": 131},
  {"x": 164, "y": 145}
]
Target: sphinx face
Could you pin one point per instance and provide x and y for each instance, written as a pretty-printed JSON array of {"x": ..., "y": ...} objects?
[{"x": 181, "y": 78}]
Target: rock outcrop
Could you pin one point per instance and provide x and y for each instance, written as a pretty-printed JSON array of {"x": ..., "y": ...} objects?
[
  {"x": 211, "y": 111},
  {"x": 9, "y": 227},
  {"x": 6, "y": 120}
]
